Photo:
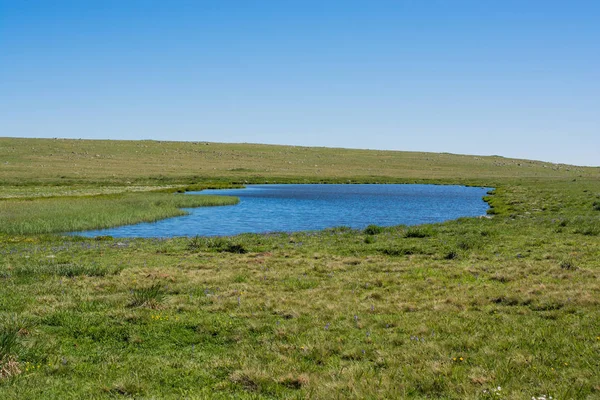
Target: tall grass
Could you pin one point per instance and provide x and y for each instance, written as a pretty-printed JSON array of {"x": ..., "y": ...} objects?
[
  {"x": 66, "y": 214},
  {"x": 10, "y": 341},
  {"x": 150, "y": 296}
]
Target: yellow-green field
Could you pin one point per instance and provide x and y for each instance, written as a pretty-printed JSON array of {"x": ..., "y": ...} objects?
[
  {"x": 49, "y": 161},
  {"x": 506, "y": 307}
]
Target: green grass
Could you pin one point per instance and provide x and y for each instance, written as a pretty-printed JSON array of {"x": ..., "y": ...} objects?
[
  {"x": 9, "y": 338},
  {"x": 150, "y": 296},
  {"x": 373, "y": 230},
  {"x": 67, "y": 214},
  {"x": 83, "y": 164},
  {"x": 452, "y": 310}
]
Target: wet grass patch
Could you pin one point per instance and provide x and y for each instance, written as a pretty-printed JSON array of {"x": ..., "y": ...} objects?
[{"x": 68, "y": 214}]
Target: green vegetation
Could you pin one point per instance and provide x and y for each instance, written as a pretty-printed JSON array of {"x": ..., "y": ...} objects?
[
  {"x": 84, "y": 164},
  {"x": 453, "y": 310},
  {"x": 373, "y": 230},
  {"x": 417, "y": 232},
  {"x": 148, "y": 296},
  {"x": 65, "y": 214}
]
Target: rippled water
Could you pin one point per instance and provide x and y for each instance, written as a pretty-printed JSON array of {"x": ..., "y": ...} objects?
[{"x": 270, "y": 208}]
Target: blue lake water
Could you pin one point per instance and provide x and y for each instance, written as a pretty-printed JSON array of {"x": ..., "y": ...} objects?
[{"x": 288, "y": 208}]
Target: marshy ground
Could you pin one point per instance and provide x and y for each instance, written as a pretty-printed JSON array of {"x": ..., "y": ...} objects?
[{"x": 502, "y": 307}]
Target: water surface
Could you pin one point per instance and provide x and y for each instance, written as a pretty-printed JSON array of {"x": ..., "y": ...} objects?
[{"x": 287, "y": 208}]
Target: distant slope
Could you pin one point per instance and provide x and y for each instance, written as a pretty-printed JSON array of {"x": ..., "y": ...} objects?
[{"x": 53, "y": 161}]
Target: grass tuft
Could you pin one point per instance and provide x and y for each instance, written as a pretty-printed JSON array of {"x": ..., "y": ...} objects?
[
  {"x": 8, "y": 341},
  {"x": 568, "y": 265},
  {"x": 195, "y": 243},
  {"x": 373, "y": 230},
  {"x": 221, "y": 245},
  {"x": 12, "y": 328},
  {"x": 417, "y": 233},
  {"x": 235, "y": 248},
  {"x": 150, "y": 296}
]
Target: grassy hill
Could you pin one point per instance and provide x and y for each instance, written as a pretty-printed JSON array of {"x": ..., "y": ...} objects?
[{"x": 55, "y": 161}]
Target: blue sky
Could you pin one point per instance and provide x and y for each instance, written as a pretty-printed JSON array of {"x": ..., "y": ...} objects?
[{"x": 512, "y": 78}]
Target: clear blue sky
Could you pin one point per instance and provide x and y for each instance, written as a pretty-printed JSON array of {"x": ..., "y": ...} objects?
[{"x": 513, "y": 78}]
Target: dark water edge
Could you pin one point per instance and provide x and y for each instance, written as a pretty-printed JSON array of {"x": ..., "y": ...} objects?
[{"x": 302, "y": 207}]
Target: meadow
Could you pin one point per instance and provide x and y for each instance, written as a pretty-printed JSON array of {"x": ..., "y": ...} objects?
[{"x": 501, "y": 307}]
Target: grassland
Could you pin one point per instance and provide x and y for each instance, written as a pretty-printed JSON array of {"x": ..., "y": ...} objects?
[
  {"x": 67, "y": 213},
  {"x": 46, "y": 162},
  {"x": 453, "y": 310}
]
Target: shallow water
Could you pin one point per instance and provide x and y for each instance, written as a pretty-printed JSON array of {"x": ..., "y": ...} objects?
[{"x": 271, "y": 208}]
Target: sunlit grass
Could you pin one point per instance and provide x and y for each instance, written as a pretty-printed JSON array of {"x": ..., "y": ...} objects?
[
  {"x": 67, "y": 162},
  {"x": 317, "y": 314},
  {"x": 506, "y": 307},
  {"x": 67, "y": 214},
  {"x": 150, "y": 296}
]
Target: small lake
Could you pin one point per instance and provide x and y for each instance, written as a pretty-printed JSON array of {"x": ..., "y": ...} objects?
[{"x": 288, "y": 208}]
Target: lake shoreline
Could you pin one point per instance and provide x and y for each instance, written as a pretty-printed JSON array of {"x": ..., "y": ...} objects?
[{"x": 302, "y": 207}]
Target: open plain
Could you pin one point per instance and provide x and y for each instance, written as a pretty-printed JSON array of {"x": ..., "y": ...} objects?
[{"x": 502, "y": 307}]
